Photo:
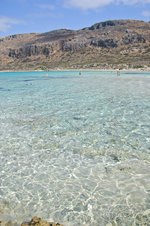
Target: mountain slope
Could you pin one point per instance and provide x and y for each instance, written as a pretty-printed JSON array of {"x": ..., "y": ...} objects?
[{"x": 109, "y": 44}]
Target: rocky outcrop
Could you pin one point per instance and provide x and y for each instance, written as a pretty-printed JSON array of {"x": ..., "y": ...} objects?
[
  {"x": 72, "y": 47},
  {"x": 106, "y": 43},
  {"x": 36, "y": 221},
  {"x": 28, "y": 51},
  {"x": 108, "y": 23},
  {"x": 133, "y": 37},
  {"x": 24, "y": 52}
]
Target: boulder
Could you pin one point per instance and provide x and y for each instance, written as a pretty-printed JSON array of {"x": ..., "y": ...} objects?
[{"x": 36, "y": 221}]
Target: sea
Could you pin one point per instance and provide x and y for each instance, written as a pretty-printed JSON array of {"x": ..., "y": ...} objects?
[{"x": 75, "y": 147}]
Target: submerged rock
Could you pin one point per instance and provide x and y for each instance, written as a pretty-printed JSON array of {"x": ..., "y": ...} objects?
[{"x": 39, "y": 222}]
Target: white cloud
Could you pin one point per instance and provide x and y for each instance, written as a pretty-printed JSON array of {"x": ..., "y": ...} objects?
[
  {"x": 87, "y": 4},
  {"x": 146, "y": 13},
  {"x": 94, "y": 4},
  {"x": 133, "y": 2},
  {"x": 47, "y": 6},
  {"x": 6, "y": 23}
]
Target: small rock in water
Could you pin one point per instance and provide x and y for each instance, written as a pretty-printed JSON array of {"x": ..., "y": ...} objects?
[{"x": 39, "y": 222}]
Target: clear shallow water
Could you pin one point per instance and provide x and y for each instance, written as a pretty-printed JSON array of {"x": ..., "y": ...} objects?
[{"x": 75, "y": 149}]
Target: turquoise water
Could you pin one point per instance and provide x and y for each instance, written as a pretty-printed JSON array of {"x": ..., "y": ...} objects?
[{"x": 75, "y": 149}]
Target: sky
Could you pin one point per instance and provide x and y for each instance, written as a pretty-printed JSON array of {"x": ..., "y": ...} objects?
[{"x": 28, "y": 16}]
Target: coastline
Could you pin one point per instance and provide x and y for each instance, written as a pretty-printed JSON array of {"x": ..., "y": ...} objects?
[{"x": 82, "y": 69}]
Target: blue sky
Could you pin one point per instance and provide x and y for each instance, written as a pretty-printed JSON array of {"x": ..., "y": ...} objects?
[{"x": 25, "y": 16}]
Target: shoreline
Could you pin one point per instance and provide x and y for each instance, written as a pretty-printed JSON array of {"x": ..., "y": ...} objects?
[{"x": 81, "y": 69}]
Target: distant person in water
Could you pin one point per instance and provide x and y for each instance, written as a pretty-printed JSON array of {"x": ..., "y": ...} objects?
[
  {"x": 118, "y": 73},
  {"x": 79, "y": 73}
]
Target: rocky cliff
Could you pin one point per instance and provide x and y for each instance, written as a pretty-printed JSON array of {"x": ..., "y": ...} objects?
[{"x": 109, "y": 44}]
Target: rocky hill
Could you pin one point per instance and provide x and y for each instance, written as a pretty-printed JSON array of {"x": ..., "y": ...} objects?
[{"x": 110, "y": 44}]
